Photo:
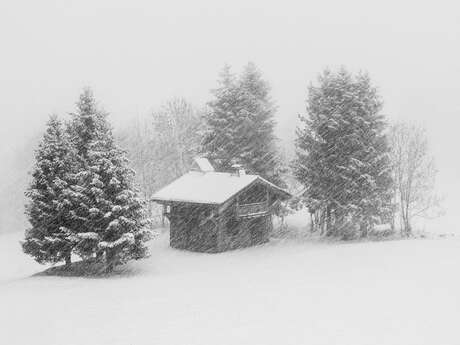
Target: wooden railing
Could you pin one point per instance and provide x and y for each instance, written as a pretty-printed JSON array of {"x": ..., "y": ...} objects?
[{"x": 252, "y": 210}]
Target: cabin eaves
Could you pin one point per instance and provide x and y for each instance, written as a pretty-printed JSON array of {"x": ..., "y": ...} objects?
[{"x": 210, "y": 187}]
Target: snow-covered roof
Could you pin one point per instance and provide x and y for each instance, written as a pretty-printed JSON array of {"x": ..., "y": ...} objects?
[{"x": 208, "y": 187}]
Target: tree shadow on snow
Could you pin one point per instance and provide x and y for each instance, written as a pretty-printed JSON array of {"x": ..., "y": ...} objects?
[{"x": 89, "y": 269}]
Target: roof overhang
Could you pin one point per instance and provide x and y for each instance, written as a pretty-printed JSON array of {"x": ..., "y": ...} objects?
[{"x": 161, "y": 198}]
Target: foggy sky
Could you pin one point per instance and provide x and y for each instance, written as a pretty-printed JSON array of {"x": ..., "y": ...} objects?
[{"x": 136, "y": 54}]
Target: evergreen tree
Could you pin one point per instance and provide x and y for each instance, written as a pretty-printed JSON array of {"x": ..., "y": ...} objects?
[
  {"x": 343, "y": 155},
  {"x": 222, "y": 122},
  {"x": 240, "y": 125},
  {"x": 109, "y": 219},
  {"x": 50, "y": 240},
  {"x": 115, "y": 221},
  {"x": 87, "y": 125}
]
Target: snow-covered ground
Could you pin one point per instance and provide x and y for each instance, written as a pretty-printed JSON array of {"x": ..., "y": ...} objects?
[{"x": 285, "y": 292}]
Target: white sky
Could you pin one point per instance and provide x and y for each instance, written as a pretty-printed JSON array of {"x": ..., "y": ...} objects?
[{"x": 135, "y": 54}]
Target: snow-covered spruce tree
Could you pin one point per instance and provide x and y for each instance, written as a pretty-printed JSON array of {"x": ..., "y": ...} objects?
[
  {"x": 222, "y": 122},
  {"x": 109, "y": 221},
  {"x": 240, "y": 125},
  {"x": 49, "y": 240},
  {"x": 343, "y": 155}
]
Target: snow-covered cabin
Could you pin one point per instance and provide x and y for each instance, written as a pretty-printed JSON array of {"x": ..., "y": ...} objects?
[{"x": 211, "y": 211}]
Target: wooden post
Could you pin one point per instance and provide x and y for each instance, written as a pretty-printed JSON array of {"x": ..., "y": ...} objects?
[
  {"x": 219, "y": 239},
  {"x": 163, "y": 216}
]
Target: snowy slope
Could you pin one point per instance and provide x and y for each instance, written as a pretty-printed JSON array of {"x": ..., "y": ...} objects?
[{"x": 399, "y": 292}]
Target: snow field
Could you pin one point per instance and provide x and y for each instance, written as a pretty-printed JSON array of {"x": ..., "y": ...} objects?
[{"x": 286, "y": 292}]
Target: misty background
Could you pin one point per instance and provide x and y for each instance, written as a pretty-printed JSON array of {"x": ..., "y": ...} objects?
[{"x": 137, "y": 54}]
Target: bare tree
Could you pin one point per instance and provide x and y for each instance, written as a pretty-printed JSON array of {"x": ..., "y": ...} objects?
[
  {"x": 177, "y": 125},
  {"x": 138, "y": 139},
  {"x": 414, "y": 175},
  {"x": 161, "y": 146}
]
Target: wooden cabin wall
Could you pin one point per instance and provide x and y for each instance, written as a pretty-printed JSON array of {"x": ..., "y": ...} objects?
[
  {"x": 177, "y": 231},
  {"x": 237, "y": 232},
  {"x": 191, "y": 228},
  {"x": 233, "y": 231},
  {"x": 260, "y": 229},
  {"x": 256, "y": 193}
]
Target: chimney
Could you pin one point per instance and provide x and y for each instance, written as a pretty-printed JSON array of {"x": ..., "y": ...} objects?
[
  {"x": 202, "y": 164},
  {"x": 239, "y": 170}
]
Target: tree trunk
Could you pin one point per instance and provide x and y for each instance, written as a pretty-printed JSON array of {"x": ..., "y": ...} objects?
[
  {"x": 408, "y": 226},
  {"x": 312, "y": 229},
  {"x": 406, "y": 229},
  {"x": 321, "y": 222},
  {"x": 109, "y": 260},
  {"x": 109, "y": 267},
  {"x": 328, "y": 221},
  {"x": 403, "y": 219},
  {"x": 282, "y": 223},
  {"x": 364, "y": 228},
  {"x": 392, "y": 222},
  {"x": 68, "y": 259},
  {"x": 99, "y": 255}
]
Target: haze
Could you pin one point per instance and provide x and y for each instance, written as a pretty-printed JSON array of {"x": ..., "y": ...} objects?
[{"x": 137, "y": 54}]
